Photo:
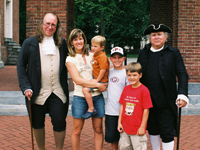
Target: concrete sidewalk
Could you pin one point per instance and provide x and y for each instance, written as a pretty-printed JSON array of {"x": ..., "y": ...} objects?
[{"x": 15, "y": 130}]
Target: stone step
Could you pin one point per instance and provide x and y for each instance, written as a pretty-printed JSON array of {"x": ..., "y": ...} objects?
[
  {"x": 191, "y": 110},
  {"x": 13, "y": 103},
  {"x": 7, "y": 39},
  {"x": 13, "y": 110},
  {"x": 11, "y": 43},
  {"x": 17, "y": 98},
  {"x": 16, "y": 46},
  {"x": 20, "y": 110},
  {"x": 12, "y": 98},
  {"x": 1, "y": 64}
]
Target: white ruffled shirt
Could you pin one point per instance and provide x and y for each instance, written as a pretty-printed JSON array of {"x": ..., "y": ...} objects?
[
  {"x": 48, "y": 46},
  {"x": 180, "y": 96}
]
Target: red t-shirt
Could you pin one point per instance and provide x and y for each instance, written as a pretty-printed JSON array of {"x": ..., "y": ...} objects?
[{"x": 134, "y": 101}]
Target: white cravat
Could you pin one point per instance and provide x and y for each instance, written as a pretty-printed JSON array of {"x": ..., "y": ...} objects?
[
  {"x": 48, "y": 46},
  {"x": 156, "y": 50}
]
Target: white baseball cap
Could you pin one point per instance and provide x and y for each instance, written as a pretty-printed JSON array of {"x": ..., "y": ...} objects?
[{"x": 117, "y": 50}]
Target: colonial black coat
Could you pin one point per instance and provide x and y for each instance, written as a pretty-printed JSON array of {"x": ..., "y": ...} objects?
[
  {"x": 29, "y": 67},
  {"x": 171, "y": 67}
]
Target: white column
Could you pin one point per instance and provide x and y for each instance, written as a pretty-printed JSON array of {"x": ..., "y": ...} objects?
[{"x": 8, "y": 19}]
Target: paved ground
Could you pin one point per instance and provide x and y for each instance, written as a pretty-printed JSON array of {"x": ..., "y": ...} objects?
[
  {"x": 15, "y": 130},
  {"x": 8, "y": 79}
]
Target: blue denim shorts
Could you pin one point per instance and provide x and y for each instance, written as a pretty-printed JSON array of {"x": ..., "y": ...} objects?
[{"x": 80, "y": 106}]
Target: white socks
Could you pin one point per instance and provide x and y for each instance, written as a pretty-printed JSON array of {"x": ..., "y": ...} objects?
[
  {"x": 168, "y": 146},
  {"x": 155, "y": 142}
]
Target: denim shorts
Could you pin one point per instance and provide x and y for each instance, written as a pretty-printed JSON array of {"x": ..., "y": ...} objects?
[{"x": 80, "y": 106}]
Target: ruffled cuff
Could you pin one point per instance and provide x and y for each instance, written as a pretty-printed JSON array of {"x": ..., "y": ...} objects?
[{"x": 183, "y": 97}]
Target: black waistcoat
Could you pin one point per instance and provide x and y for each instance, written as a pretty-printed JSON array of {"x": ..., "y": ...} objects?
[{"x": 153, "y": 81}]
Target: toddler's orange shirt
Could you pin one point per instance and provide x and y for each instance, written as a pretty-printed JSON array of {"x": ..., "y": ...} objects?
[{"x": 99, "y": 62}]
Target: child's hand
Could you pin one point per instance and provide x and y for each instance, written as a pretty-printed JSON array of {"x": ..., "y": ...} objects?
[
  {"x": 120, "y": 128},
  {"x": 141, "y": 131},
  {"x": 94, "y": 80}
]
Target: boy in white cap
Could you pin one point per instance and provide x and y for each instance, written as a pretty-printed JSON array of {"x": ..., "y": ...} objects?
[{"x": 117, "y": 80}]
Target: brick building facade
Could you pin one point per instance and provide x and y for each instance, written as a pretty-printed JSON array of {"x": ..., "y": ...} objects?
[
  {"x": 37, "y": 8},
  {"x": 184, "y": 19},
  {"x": 9, "y": 24},
  {"x": 181, "y": 15}
]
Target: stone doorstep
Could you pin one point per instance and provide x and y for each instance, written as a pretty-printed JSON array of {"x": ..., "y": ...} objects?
[
  {"x": 20, "y": 110},
  {"x": 12, "y": 103},
  {"x": 16, "y": 97},
  {"x": 1, "y": 64}
]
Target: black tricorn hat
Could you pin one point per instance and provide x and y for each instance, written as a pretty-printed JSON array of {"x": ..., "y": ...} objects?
[{"x": 157, "y": 28}]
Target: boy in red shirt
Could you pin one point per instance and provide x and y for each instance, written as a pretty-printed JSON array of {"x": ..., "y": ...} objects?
[{"x": 135, "y": 102}]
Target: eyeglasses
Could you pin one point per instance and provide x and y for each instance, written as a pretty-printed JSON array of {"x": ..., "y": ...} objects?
[{"x": 48, "y": 25}]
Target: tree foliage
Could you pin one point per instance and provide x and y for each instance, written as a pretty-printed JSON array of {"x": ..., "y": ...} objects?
[
  {"x": 22, "y": 21},
  {"x": 122, "y": 22}
]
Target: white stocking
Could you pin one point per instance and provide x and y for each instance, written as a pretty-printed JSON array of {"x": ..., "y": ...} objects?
[
  {"x": 155, "y": 142},
  {"x": 168, "y": 146}
]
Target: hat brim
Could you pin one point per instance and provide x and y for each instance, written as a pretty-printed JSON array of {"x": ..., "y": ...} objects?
[
  {"x": 117, "y": 53},
  {"x": 157, "y": 28}
]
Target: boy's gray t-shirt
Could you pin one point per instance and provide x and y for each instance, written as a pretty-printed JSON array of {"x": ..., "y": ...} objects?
[{"x": 117, "y": 80}]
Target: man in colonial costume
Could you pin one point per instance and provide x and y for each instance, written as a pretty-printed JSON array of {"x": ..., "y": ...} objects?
[
  {"x": 43, "y": 79},
  {"x": 161, "y": 66}
]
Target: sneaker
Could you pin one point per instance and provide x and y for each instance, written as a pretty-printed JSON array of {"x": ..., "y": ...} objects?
[
  {"x": 94, "y": 90},
  {"x": 87, "y": 115}
]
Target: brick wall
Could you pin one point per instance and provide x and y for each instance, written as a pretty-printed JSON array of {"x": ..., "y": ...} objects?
[
  {"x": 4, "y": 53},
  {"x": 188, "y": 40},
  {"x": 161, "y": 11},
  {"x": 175, "y": 24},
  {"x": 16, "y": 21},
  {"x": 2, "y": 21},
  {"x": 36, "y": 9},
  {"x": 183, "y": 17},
  {"x": 3, "y": 48}
]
